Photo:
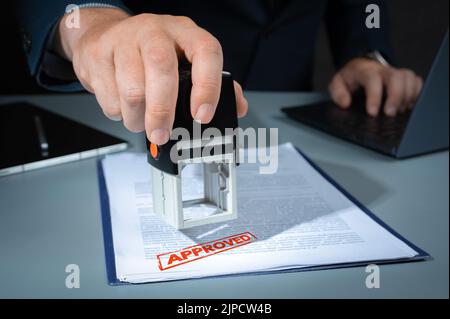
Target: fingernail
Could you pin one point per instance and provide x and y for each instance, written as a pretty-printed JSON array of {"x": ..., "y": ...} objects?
[
  {"x": 390, "y": 110},
  {"x": 204, "y": 113},
  {"x": 159, "y": 136},
  {"x": 241, "y": 114},
  {"x": 341, "y": 99},
  {"x": 116, "y": 118},
  {"x": 373, "y": 110},
  {"x": 242, "y": 111},
  {"x": 345, "y": 102}
]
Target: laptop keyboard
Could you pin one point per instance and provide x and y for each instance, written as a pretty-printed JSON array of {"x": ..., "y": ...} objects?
[
  {"x": 360, "y": 124},
  {"x": 381, "y": 132}
]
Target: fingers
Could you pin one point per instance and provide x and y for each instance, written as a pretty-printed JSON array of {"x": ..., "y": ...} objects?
[
  {"x": 138, "y": 80},
  {"x": 417, "y": 88},
  {"x": 161, "y": 88},
  {"x": 373, "y": 85},
  {"x": 205, "y": 54},
  {"x": 339, "y": 91},
  {"x": 396, "y": 89},
  {"x": 409, "y": 79},
  {"x": 130, "y": 80},
  {"x": 403, "y": 86},
  {"x": 106, "y": 92},
  {"x": 241, "y": 102},
  {"x": 207, "y": 65},
  {"x": 344, "y": 83}
]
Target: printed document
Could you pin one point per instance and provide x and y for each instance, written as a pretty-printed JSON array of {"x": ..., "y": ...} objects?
[{"x": 297, "y": 217}]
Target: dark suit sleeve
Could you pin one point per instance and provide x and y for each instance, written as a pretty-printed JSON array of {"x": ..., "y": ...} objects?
[
  {"x": 348, "y": 35},
  {"x": 37, "y": 21}
]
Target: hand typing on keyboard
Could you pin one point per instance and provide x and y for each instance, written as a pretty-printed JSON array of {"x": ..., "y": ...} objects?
[{"x": 402, "y": 86}]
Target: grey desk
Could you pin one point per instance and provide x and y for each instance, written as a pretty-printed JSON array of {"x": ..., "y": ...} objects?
[{"x": 51, "y": 218}]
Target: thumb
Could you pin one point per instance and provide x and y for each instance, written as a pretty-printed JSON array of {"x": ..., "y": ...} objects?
[{"x": 340, "y": 92}]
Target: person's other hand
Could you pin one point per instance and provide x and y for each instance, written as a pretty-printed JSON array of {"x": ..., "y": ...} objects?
[
  {"x": 130, "y": 63},
  {"x": 402, "y": 86}
]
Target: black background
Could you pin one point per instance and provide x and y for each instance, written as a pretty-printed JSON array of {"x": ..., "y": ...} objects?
[{"x": 417, "y": 28}]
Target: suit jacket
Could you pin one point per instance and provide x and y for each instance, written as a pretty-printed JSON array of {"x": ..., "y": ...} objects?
[{"x": 267, "y": 44}]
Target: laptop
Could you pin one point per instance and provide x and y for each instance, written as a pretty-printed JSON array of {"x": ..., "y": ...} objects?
[
  {"x": 32, "y": 138},
  {"x": 420, "y": 131}
]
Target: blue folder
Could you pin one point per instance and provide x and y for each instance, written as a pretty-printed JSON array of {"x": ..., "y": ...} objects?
[{"x": 109, "y": 246}]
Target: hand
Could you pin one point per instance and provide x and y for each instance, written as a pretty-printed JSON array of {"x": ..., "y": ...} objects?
[
  {"x": 402, "y": 86},
  {"x": 130, "y": 63}
]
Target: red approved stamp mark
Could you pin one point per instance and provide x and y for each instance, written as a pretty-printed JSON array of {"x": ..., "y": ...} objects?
[{"x": 200, "y": 251}]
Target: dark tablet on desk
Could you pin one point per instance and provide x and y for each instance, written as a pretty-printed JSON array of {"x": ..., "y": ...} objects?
[{"x": 31, "y": 138}]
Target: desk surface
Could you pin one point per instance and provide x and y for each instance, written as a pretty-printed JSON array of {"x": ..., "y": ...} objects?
[{"x": 50, "y": 218}]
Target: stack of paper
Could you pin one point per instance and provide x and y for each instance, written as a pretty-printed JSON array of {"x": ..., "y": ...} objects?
[{"x": 294, "y": 219}]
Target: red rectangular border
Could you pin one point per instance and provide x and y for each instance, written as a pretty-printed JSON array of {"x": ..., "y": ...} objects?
[{"x": 201, "y": 244}]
